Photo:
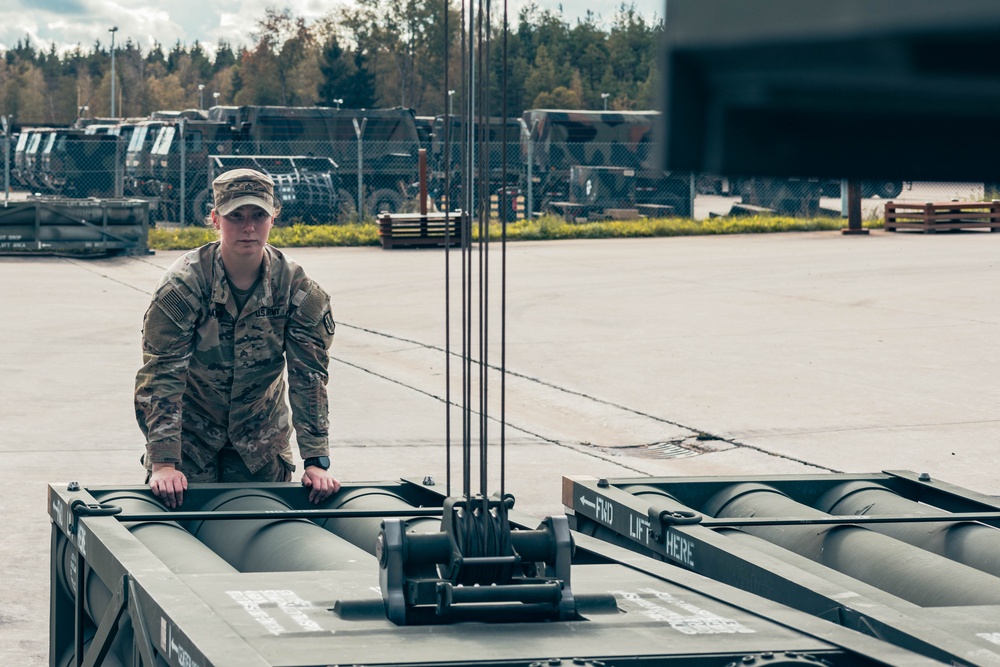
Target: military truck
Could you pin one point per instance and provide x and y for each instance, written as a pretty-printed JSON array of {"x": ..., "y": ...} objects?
[
  {"x": 619, "y": 142},
  {"x": 17, "y": 167},
  {"x": 425, "y": 131},
  {"x": 28, "y": 158},
  {"x": 306, "y": 186},
  {"x": 389, "y": 143},
  {"x": 178, "y": 173},
  {"x": 138, "y": 179},
  {"x": 74, "y": 163},
  {"x": 610, "y": 192},
  {"x": 389, "y": 146},
  {"x": 226, "y": 114},
  {"x": 884, "y": 189},
  {"x": 495, "y": 133}
]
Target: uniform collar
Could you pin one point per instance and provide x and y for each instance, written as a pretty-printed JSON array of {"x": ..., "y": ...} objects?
[{"x": 220, "y": 286}]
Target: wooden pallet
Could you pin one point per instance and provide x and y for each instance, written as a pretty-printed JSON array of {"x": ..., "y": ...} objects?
[
  {"x": 934, "y": 216},
  {"x": 413, "y": 230}
]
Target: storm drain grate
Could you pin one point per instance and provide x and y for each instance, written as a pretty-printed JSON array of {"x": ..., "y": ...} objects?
[{"x": 667, "y": 450}]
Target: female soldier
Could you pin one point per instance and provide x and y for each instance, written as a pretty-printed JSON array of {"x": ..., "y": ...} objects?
[{"x": 224, "y": 322}]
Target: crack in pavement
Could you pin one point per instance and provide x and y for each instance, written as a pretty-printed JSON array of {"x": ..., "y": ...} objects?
[{"x": 572, "y": 392}]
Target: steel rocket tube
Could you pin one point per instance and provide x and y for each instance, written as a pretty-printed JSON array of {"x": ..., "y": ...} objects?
[
  {"x": 974, "y": 544},
  {"x": 274, "y": 545},
  {"x": 905, "y": 571},
  {"x": 363, "y": 532},
  {"x": 180, "y": 551}
]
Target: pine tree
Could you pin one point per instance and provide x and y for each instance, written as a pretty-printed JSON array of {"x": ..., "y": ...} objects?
[{"x": 336, "y": 71}]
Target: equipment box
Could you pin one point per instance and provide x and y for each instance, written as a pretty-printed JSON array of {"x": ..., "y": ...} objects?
[{"x": 57, "y": 224}]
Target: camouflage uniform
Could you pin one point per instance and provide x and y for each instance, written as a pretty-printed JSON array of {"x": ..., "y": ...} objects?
[{"x": 214, "y": 378}]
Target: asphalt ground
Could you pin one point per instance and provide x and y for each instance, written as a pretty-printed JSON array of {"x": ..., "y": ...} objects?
[{"x": 729, "y": 355}]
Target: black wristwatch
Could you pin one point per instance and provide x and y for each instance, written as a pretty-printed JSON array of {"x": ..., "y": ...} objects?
[{"x": 318, "y": 461}]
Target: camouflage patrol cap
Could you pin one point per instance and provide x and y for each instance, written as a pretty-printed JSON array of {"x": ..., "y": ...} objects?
[{"x": 244, "y": 186}]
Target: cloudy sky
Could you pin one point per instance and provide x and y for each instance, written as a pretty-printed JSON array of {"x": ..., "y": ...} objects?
[{"x": 70, "y": 22}]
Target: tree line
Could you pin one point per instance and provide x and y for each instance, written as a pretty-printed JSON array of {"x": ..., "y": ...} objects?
[{"x": 376, "y": 53}]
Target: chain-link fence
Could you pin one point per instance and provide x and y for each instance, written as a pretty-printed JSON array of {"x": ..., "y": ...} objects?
[{"x": 329, "y": 182}]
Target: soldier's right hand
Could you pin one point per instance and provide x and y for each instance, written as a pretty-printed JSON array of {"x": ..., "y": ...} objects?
[{"x": 168, "y": 484}]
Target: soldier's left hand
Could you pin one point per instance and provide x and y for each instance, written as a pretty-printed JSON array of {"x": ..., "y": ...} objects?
[{"x": 321, "y": 483}]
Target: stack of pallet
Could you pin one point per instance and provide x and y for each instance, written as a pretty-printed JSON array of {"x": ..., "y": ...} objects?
[
  {"x": 931, "y": 217},
  {"x": 415, "y": 230}
]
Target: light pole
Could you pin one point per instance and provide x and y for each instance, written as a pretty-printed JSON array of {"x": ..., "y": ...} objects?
[
  {"x": 215, "y": 98},
  {"x": 83, "y": 111},
  {"x": 6, "y": 121},
  {"x": 338, "y": 102},
  {"x": 359, "y": 130},
  {"x": 113, "y": 31},
  {"x": 451, "y": 99},
  {"x": 201, "y": 96},
  {"x": 605, "y": 97}
]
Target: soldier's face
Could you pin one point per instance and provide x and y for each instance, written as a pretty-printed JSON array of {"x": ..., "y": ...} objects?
[{"x": 245, "y": 229}]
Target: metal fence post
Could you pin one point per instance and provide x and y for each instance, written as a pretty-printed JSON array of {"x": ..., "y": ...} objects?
[
  {"x": 692, "y": 192},
  {"x": 531, "y": 160},
  {"x": 211, "y": 179},
  {"x": 359, "y": 130},
  {"x": 120, "y": 167},
  {"x": 6, "y": 157},
  {"x": 183, "y": 171}
]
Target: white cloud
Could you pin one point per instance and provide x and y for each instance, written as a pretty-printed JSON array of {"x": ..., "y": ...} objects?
[{"x": 67, "y": 23}]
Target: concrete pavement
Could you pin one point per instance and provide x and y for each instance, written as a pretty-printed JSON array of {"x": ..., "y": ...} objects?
[{"x": 785, "y": 353}]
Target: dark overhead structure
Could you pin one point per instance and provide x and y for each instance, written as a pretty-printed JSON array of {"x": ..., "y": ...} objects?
[{"x": 866, "y": 89}]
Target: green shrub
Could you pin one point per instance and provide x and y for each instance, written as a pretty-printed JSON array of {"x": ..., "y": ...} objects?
[{"x": 543, "y": 228}]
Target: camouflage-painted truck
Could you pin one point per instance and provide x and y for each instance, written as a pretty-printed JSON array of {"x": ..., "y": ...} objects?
[
  {"x": 389, "y": 145},
  {"x": 75, "y": 163},
  {"x": 585, "y": 163},
  {"x": 65, "y": 161},
  {"x": 503, "y": 139},
  {"x": 178, "y": 166},
  {"x": 27, "y": 168}
]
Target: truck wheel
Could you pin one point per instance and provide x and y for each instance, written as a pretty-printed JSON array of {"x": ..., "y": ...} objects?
[
  {"x": 347, "y": 205},
  {"x": 883, "y": 189},
  {"x": 890, "y": 189},
  {"x": 384, "y": 200},
  {"x": 201, "y": 207}
]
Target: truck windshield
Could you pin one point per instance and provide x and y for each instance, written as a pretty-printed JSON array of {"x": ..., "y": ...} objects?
[
  {"x": 138, "y": 137},
  {"x": 49, "y": 142},
  {"x": 163, "y": 140}
]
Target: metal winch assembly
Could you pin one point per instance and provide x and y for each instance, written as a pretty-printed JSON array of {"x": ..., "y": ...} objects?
[{"x": 476, "y": 568}]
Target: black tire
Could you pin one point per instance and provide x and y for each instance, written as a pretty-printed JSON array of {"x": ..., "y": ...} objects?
[
  {"x": 347, "y": 205},
  {"x": 890, "y": 189},
  {"x": 201, "y": 207},
  {"x": 384, "y": 200},
  {"x": 883, "y": 189}
]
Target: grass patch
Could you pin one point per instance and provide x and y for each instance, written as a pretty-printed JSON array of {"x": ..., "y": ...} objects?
[
  {"x": 544, "y": 228},
  {"x": 294, "y": 236},
  {"x": 552, "y": 227}
]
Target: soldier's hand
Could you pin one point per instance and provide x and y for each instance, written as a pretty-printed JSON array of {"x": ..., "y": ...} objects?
[
  {"x": 321, "y": 483},
  {"x": 168, "y": 484}
]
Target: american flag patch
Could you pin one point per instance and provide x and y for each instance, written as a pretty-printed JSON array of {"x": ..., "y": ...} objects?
[{"x": 174, "y": 305}]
